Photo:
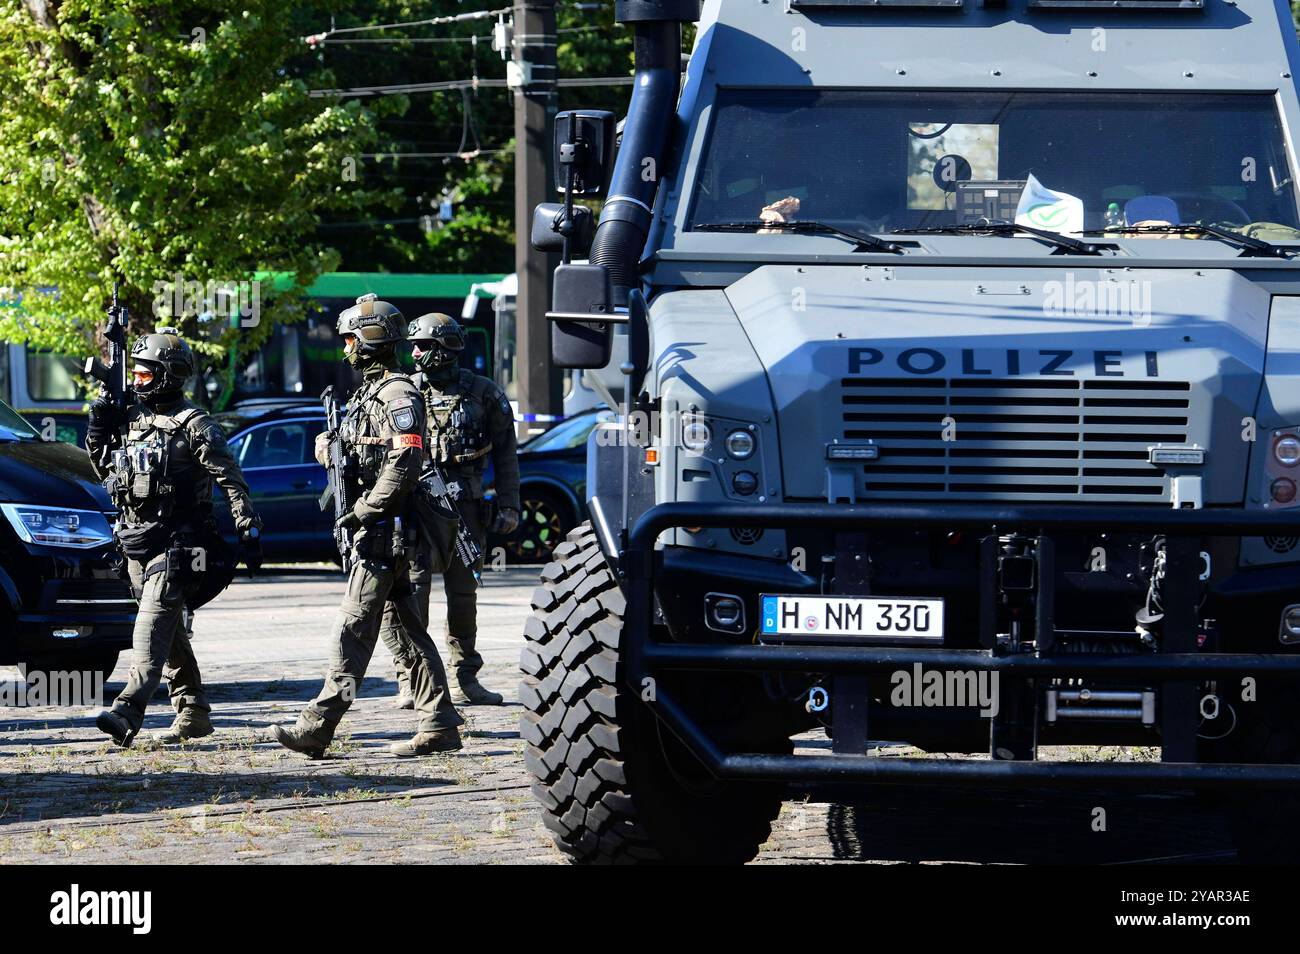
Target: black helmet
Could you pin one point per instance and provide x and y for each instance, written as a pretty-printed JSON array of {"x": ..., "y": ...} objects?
[
  {"x": 377, "y": 326},
  {"x": 166, "y": 354},
  {"x": 438, "y": 340}
]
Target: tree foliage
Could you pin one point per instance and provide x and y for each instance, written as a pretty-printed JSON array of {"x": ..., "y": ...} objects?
[{"x": 143, "y": 141}]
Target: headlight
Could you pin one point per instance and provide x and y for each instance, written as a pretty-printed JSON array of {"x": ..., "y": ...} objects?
[
  {"x": 1287, "y": 450},
  {"x": 740, "y": 444},
  {"x": 696, "y": 435},
  {"x": 58, "y": 526}
]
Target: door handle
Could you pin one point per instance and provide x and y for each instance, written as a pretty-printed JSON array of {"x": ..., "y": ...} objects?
[{"x": 301, "y": 484}]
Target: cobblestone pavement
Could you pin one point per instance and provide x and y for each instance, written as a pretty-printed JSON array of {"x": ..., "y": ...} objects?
[{"x": 68, "y": 795}]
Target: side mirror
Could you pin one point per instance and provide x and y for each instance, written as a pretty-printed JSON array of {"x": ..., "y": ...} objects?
[
  {"x": 584, "y": 151},
  {"x": 551, "y": 222},
  {"x": 582, "y": 290},
  {"x": 638, "y": 341}
]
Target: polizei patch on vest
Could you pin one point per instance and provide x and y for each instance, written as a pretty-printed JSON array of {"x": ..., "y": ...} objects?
[{"x": 402, "y": 414}]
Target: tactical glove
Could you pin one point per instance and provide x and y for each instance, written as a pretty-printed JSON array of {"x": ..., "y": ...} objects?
[
  {"x": 250, "y": 550},
  {"x": 104, "y": 419},
  {"x": 104, "y": 414},
  {"x": 507, "y": 520}
]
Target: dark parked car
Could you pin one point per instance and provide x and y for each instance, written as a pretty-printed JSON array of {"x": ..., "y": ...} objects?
[
  {"x": 274, "y": 448},
  {"x": 62, "y": 606},
  {"x": 552, "y": 486}
]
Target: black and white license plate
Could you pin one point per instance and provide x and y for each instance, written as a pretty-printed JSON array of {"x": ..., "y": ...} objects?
[{"x": 863, "y": 616}]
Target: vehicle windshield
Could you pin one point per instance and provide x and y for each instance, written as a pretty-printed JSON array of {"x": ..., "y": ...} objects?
[
  {"x": 876, "y": 161},
  {"x": 12, "y": 426}
]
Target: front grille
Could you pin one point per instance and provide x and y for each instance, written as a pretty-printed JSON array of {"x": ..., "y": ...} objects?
[
  {"x": 105, "y": 595},
  {"x": 1028, "y": 439}
]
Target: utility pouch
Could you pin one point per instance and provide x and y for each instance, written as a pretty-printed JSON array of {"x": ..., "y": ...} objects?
[
  {"x": 142, "y": 542},
  {"x": 143, "y": 486}
]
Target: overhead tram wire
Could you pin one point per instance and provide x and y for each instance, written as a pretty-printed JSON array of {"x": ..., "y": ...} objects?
[
  {"x": 315, "y": 38},
  {"x": 448, "y": 85},
  {"x": 433, "y": 155}
]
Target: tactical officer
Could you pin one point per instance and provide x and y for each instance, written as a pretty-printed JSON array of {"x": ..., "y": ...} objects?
[
  {"x": 469, "y": 420},
  {"x": 158, "y": 459},
  {"x": 383, "y": 436}
]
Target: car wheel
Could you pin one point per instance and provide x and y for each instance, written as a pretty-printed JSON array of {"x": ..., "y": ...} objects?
[{"x": 544, "y": 519}]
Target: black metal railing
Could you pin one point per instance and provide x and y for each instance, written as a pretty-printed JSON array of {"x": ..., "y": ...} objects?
[{"x": 1178, "y": 668}]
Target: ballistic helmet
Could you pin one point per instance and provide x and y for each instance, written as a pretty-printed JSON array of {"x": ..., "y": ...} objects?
[
  {"x": 438, "y": 341},
  {"x": 166, "y": 354},
  {"x": 377, "y": 326}
]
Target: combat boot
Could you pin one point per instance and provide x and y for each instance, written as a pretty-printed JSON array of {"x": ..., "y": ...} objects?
[
  {"x": 115, "y": 725},
  {"x": 189, "y": 724},
  {"x": 473, "y": 693},
  {"x": 405, "y": 698},
  {"x": 298, "y": 740},
  {"x": 426, "y": 743}
]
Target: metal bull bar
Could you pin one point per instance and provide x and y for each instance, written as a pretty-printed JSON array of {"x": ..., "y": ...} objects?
[{"x": 646, "y": 657}]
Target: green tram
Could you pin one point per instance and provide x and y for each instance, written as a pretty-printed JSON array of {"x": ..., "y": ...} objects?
[{"x": 298, "y": 361}]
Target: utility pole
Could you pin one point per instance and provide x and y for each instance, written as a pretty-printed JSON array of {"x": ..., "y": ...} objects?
[{"x": 532, "y": 74}]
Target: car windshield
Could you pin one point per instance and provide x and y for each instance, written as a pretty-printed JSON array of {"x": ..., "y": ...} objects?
[
  {"x": 881, "y": 160},
  {"x": 13, "y": 427}
]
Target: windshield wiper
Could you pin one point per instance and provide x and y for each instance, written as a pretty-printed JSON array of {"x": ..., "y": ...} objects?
[
  {"x": 1009, "y": 228},
  {"x": 1249, "y": 246},
  {"x": 862, "y": 241}
]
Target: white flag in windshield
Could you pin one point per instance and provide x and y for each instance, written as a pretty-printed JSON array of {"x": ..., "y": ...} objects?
[{"x": 1042, "y": 208}]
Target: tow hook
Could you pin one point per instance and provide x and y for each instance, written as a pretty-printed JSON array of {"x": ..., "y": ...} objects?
[
  {"x": 1209, "y": 707},
  {"x": 819, "y": 700}
]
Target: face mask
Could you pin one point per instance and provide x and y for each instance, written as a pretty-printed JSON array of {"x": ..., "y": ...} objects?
[
  {"x": 352, "y": 353},
  {"x": 435, "y": 358}
]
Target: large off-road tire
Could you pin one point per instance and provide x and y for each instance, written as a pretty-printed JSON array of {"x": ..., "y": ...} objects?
[
  {"x": 1265, "y": 824},
  {"x": 613, "y": 784}
]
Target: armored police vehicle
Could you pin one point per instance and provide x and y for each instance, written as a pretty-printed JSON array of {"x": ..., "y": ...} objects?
[{"x": 964, "y": 349}]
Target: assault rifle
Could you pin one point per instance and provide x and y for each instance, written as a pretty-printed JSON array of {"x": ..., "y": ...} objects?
[
  {"x": 113, "y": 375},
  {"x": 446, "y": 497},
  {"x": 338, "y": 471}
]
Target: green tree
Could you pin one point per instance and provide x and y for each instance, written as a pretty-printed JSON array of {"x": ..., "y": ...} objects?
[{"x": 142, "y": 141}]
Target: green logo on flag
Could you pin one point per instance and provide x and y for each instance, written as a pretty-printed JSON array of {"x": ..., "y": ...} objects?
[{"x": 1048, "y": 214}]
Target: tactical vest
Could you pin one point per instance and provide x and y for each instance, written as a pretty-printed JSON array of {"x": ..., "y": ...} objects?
[
  {"x": 154, "y": 475},
  {"x": 362, "y": 432},
  {"x": 458, "y": 424}
]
